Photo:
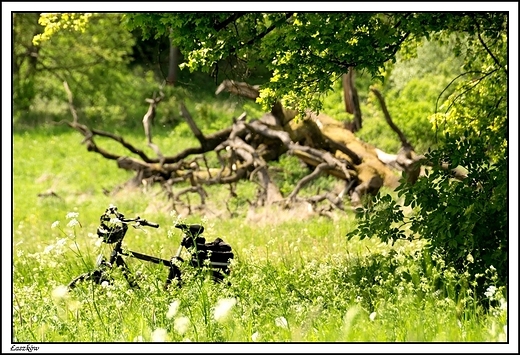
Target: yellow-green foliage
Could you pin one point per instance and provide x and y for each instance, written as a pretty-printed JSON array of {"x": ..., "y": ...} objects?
[{"x": 54, "y": 22}]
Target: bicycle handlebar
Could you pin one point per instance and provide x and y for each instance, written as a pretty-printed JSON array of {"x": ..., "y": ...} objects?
[
  {"x": 140, "y": 221},
  {"x": 143, "y": 222}
]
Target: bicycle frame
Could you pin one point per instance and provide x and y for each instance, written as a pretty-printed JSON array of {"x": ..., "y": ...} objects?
[{"x": 115, "y": 235}]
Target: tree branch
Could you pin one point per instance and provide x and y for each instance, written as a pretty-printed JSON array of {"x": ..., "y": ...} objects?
[
  {"x": 402, "y": 138},
  {"x": 269, "y": 29},
  {"x": 306, "y": 179},
  {"x": 230, "y": 19},
  {"x": 193, "y": 126},
  {"x": 485, "y": 46}
]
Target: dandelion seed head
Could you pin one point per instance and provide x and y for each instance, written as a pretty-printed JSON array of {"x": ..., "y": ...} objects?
[
  {"x": 159, "y": 335},
  {"x": 172, "y": 309},
  {"x": 59, "y": 292},
  {"x": 223, "y": 307},
  {"x": 281, "y": 322},
  {"x": 181, "y": 325},
  {"x": 255, "y": 336},
  {"x": 104, "y": 284}
]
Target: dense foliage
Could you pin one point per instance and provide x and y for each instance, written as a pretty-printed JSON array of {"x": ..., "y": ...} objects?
[
  {"x": 308, "y": 52},
  {"x": 305, "y": 53},
  {"x": 465, "y": 220},
  {"x": 436, "y": 250},
  {"x": 93, "y": 60}
]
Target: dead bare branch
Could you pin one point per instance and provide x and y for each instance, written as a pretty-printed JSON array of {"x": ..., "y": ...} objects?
[{"x": 402, "y": 138}]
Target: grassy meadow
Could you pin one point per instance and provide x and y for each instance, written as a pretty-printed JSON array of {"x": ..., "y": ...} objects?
[{"x": 295, "y": 277}]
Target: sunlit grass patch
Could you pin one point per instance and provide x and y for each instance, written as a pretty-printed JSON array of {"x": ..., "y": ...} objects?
[{"x": 295, "y": 277}]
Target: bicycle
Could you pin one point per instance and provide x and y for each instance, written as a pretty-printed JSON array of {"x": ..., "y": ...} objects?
[{"x": 216, "y": 255}]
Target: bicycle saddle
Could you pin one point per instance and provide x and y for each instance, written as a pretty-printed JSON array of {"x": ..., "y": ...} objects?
[{"x": 193, "y": 229}]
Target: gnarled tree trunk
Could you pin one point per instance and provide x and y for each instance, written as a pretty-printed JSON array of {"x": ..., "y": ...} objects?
[{"x": 245, "y": 149}]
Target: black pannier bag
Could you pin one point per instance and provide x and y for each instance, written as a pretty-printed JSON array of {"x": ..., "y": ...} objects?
[{"x": 218, "y": 252}]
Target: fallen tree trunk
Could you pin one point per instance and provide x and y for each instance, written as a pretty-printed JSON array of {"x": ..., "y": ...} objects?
[{"x": 245, "y": 149}]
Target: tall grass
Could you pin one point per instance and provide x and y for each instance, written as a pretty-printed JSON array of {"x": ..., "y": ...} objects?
[{"x": 295, "y": 277}]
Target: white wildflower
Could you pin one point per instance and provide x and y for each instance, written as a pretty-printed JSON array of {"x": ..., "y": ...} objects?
[
  {"x": 72, "y": 215},
  {"x": 172, "y": 310},
  {"x": 255, "y": 336},
  {"x": 61, "y": 242},
  {"x": 223, "y": 307},
  {"x": 72, "y": 223},
  {"x": 60, "y": 292},
  {"x": 281, "y": 322},
  {"x": 104, "y": 284},
  {"x": 372, "y": 316},
  {"x": 490, "y": 291},
  {"x": 159, "y": 335},
  {"x": 55, "y": 224}
]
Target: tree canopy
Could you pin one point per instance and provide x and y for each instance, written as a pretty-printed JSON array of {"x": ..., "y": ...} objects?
[{"x": 305, "y": 52}]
